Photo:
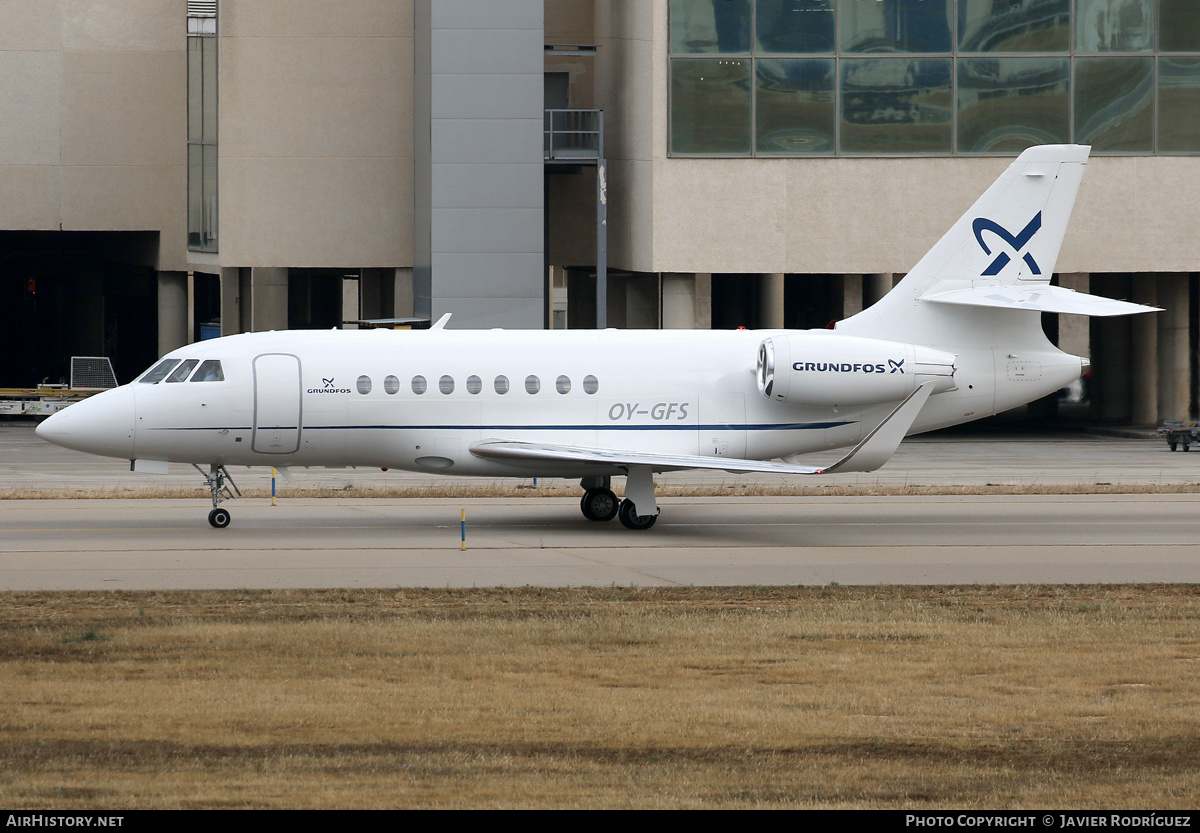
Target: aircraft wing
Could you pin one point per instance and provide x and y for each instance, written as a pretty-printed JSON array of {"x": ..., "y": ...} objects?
[{"x": 871, "y": 453}]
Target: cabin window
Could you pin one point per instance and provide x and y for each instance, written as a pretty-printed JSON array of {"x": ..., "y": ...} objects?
[
  {"x": 158, "y": 372},
  {"x": 364, "y": 385},
  {"x": 501, "y": 385},
  {"x": 210, "y": 371},
  {"x": 391, "y": 385},
  {"x": 590, "y": 384},
  {"x": 474, "y": 385},
  {"x": 419, "y": 385},
  {"x": 563, "y": 384},
  {"x": 183, "y": 371},
  {"x": 532, "y": 384},
  {"x": 446, "y": 384}
]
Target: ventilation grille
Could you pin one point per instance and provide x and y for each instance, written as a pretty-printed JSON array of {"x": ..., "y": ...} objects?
[{"x": 202, "y": 8}]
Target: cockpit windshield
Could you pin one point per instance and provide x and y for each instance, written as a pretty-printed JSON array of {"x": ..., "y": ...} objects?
[{"x": 158, "y": 372}]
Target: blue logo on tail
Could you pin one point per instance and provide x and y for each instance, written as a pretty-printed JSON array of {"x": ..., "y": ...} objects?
[{"x": 1018, "y": 242}]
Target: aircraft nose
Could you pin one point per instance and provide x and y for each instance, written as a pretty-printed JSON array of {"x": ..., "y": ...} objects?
[{"x": 102, "y": 424}]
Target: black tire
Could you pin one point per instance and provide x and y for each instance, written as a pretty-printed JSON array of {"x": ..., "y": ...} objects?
[
  {"x": 219, "y": 518},
  {"x": 599, "y": 505},
  {"x": 631, "y": 520},
  {"x": 1172, "y": 445}
]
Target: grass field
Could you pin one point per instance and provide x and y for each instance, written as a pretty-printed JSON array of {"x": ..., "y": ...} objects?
[{"x": 888, "y": 697}]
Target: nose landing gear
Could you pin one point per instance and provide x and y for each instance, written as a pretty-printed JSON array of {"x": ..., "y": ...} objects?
[{"x": 223, "y": 488}]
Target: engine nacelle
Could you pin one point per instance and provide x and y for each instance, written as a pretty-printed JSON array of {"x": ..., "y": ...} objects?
[{"x": 827, "y": 369}]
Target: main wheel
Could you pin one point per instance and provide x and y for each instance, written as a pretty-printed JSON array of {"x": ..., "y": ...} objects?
[
  {"x": 631, "y": 520},
  {"x": 599, "y": 505},
  {"x": 219, "y": 518}
]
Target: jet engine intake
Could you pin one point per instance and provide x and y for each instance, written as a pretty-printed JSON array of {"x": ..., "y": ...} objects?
[{"x": 825, "y": 369}]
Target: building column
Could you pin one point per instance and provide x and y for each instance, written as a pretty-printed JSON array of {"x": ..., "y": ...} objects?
[
  {"x": 852, "y": 295},
  {"x": 268, "y": 298},
  {"x": 402, "y": 293},
  {"x": 1174, "y": 366},
  {"x": 173, "y": 324},
  {"x": 703, "y": 301},
  {"x": 1144, "y": 352},
  {"x": 770, "y": 301},
  {"x": 351, "y": 294},
  {"x": 231, "y": 315},
  {"x": 678, "y": 301},
  {"x": 641, "y": 302},
  {"x": 875, "y": 286}
]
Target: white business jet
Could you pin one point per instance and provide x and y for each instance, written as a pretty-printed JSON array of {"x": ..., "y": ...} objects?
[{"x": 957, "y": 339}]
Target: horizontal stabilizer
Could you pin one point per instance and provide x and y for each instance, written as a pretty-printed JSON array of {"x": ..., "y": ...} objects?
[
  {"x": 875, "y": 450},
  {"x": 1043, "y": 298}
]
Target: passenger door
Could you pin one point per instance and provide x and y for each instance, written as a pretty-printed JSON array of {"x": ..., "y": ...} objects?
[{"x": 277, "y": 415}]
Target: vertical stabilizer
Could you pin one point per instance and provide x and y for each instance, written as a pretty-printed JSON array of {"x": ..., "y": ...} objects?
[{"x": 1010, "y": 237}]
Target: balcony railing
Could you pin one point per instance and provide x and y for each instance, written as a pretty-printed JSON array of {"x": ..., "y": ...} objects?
[{"x": 573, "y": 136}]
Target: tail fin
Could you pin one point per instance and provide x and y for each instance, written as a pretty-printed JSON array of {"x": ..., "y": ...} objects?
[{"x": 1010, "y": 237}]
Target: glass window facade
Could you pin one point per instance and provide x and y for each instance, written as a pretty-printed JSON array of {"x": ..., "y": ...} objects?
[
  {"x": 932, "y": 77},
  {"x": 202, "y": 134}
]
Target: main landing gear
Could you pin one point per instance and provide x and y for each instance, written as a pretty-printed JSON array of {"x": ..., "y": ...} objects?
[
  {"x": 223, "y": 488},
  {"x": 600, "y": 504}
]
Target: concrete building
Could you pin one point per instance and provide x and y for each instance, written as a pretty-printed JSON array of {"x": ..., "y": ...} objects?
[{"x": 175, "y": 169}]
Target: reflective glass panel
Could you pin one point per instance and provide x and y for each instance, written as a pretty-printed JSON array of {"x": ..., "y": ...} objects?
[
  {"x": 209, "y": 48},
  {"x": 590, "y": 384},
  {"x": 391, "y": 385},
  {"x": 196, "y": 234},
  {"x": 895, "y": 25},
  {"x": 183, "y": 371},
  {"x": 532, "y": 384},
  {"x": 209, "y": 371},
  {"x": 446, "y": 384},
  {"x": 195, "y": 90},
  {"x": 158, "y": 372},
  {"x": 562, "y": 384},
  {"x": 419, "y": 385},
  {"x": 474, "y": 384},
  {"x": 1009, "y": 104},
  {"x": 1114, "y": 103},
  {"x": 794, "y": 112},
  {"x": 1178, "y": 104},
  {"x": 710, "y": 26},
  {"x": 364, "y": 385},
  {"x": 988, "y": 26},
  {"x": 896, "y": 105},
  {"x": 1114, "y": 25},
  {"x": 794, "y": 26},
  {"x": 501, "y": 385},
  {"x": 710, "y": 105},
  {"x": 1179, "y": 26}
]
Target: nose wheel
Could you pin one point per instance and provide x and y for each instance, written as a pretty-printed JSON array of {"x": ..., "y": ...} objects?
[{"x": 222, "y": 487}]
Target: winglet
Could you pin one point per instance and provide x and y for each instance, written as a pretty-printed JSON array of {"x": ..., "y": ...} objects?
[
  {"x": 879, "y": 446},
  {"x": 440, "y": 324}
]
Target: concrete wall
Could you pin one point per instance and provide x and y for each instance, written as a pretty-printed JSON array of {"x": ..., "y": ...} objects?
[
  {"x": 315, "y": 143},
  {"x": 92, "y": 118}
]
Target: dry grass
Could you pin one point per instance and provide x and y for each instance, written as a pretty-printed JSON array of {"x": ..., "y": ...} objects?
[
  {"x": 505, "y": 490},
  {"x": 677, "y": 697}
]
